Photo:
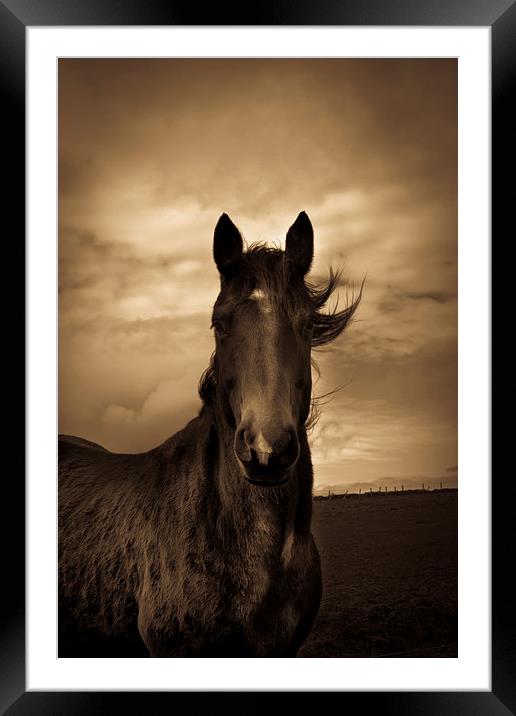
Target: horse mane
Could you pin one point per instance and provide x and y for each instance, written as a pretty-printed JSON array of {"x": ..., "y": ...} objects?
[
  {"x": 207, "y": 383},
  {"x": 270, "y": 268}
]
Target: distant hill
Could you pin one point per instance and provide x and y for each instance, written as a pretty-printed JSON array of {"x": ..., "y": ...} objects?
[
  {"x": 388, "y": 484},
  {"x": 384, "y": 493}
]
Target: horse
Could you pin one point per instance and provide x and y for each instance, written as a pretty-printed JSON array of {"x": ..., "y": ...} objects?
[{"x": 202, "y": 546}]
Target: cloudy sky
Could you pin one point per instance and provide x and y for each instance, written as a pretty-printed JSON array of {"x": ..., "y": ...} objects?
[{"x": 151, "y": 152}]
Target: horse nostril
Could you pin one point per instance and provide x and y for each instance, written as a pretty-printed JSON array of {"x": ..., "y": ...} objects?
[
  {"x": 242, "y": 446},
  {"x": 290, "y": 440},
  {"x": 290, "y": 451}
]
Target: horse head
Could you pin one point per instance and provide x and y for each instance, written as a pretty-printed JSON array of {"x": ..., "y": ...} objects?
[{"x": 267, "y": 319}]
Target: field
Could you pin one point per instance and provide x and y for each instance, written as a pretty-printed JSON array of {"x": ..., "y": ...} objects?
[{"x": 389, "y": 576}]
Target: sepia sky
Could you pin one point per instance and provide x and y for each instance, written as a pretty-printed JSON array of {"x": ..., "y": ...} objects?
[{"x": 151, "y": 152}]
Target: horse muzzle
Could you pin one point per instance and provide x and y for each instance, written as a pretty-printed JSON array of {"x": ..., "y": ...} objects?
[{"x": 266, "y": 456}]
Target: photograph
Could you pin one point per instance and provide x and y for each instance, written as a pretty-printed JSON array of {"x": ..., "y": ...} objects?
[
  {"x": 257, "y": 357},
  {"x": 258, "y": 248}
]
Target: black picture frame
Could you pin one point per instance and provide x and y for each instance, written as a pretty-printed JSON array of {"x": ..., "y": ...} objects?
[{"x": 15, "y": 17}]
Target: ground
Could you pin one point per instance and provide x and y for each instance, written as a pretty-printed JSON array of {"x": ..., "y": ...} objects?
[{"x": 389, "y": 566}]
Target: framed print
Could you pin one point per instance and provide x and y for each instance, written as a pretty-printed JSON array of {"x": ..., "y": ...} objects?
[{"x": 161, "y": 155}]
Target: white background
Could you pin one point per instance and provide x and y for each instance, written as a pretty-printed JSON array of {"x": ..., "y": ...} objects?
[{"x": 471, "y": 670}]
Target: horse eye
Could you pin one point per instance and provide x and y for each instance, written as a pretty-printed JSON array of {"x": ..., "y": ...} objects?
[{"x": 219, "y": 328}]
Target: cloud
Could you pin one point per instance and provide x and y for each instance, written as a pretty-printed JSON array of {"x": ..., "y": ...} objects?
[
  {"x": 161, "y": 402},
  {"x": 166, "y": 409},
  {"x": 397, "y": 300},
  {"x": 370, "y": 430}
]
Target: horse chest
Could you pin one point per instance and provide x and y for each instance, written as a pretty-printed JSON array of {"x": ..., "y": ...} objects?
[
  {"x": 236, "y": 585},
  {"x": 255, "y": 617},
  {"x": 250, "y": 605}
]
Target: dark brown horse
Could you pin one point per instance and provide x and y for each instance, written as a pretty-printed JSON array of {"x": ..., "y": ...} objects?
[{"x": 202, "y": 546}]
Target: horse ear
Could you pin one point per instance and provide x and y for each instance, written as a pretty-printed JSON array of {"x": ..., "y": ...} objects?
[
  {"x": 300, "y": 243},
  {"x": 227, "y": 246}
]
